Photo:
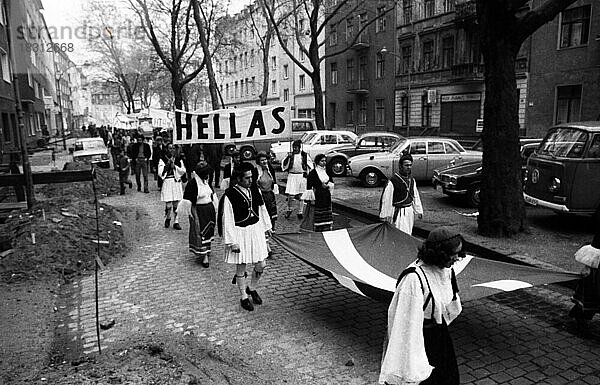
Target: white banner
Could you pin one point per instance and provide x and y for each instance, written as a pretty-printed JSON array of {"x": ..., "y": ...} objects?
[{"x": 232, "y": 125}]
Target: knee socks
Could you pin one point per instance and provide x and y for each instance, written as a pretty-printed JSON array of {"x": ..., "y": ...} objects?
[
  {"x": 240, "y": 280},
  {"x": 256, "y": 274}
]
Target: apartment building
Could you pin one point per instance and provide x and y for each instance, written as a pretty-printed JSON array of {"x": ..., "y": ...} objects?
[
  {"x": 240, "y": 70},
  {"x": 8, "y": 118},
  {"x": 360, "y": 78},
  {"x": 564, "y": 77}
]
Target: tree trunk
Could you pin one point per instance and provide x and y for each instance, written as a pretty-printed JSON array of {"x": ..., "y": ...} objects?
[
  {"x": 502, "y": 210},
  {"x": 265, "y": 59},
  {"x": 318, "y": 93},
  {"x": 204, "y": 43}
]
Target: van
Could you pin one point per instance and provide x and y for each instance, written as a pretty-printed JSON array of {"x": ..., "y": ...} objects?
[
  {"x": 563, "y": 174},
  {"x": 248, "y": 150}
]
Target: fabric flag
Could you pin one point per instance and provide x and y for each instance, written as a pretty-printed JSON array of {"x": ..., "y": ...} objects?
[{"x": 369, "y": 259}]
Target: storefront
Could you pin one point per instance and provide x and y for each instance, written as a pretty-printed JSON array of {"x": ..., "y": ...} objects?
[{"x": 459, "y": 114}]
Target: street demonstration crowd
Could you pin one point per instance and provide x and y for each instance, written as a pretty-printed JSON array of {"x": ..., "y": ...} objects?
[{"x": 417, "y": 347}]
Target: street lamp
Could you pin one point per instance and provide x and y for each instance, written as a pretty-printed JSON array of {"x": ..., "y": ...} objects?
[{"x": 385, "y": 51}]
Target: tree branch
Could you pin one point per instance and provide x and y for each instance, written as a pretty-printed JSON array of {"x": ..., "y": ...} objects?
[{"x": 534, "y": 19}]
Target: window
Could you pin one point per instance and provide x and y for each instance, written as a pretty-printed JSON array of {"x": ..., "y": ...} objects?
[
  {"x": 418, "y": 148},
  {"x": 246, "y": 60},
  {"x": 301, "y": 54},
  {"x": 448, "y": 5},
  {"x": 253, "y": 85},
  {"x": 448, "y": 52},
  {"x": 6, "y": 127},
  {"x": 306, "y": 113},
  {"x": 380, "y": 65},
  {"x": 362, "y": 20},
  {"x": 380, "y": 25},
  {"x": 568, "y": 103},
  {"x": 350, "y": 77},
  {"x": 429, "y": 8},
  {"x": 236, "y": 90},
  {"x": 301, "y": 25},
  {"x": 286, "y": 95},
  {"x": 329, "y": 139},
  {"x": 252, "y": 58},
  {"x": 450, "y": 149},
  {"x": 362, "y": 68},
  {"x": 4, "y": 66},
  {"x": 345, "y": 139},
  {"x": 349, "y": 113},
  {"x": 379, "y": 112},
  {"x": 226, "y": 65},
  {"x": 362, "y": 112},
  {"x": 2, "y": 14},
  {"x": 407, "y": 11},
  {"x": 425, "y": 112},
  {"x": 273, "y": 62},
  {"x": 241, "y": 87},
  {"x": 427, "y": 55},
  {"x": 333, "y": 36},
  {"x": 349, "y": 29},
  {"x": 273, "y": 86},
  {"x": 247, "y": 87},
  {"x": 575, "y": 26},
  {"x": 594, "y": 151},
  {"x": 404, "y": 109},
  {"x": 29, "y": 78},
  {"x": 406, "y": 59},
  {"x": 334, "y": 73},
  {"x": 302, "y": 83},
  {"x": 436, "y": 148}
]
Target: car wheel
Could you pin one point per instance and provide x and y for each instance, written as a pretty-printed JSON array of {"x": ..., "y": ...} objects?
[
  {"x": 338, "y": 167},
  {"x": 473, "y": 196},
  {"x": 229, "y": 149},
  {"x": 247, "y": 153},
  {"x": 371, "y": 178}
]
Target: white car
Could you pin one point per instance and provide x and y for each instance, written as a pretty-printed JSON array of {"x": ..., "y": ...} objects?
[
  {"x": 313, "y": 143},
  {"x": 429, "y": 153},
  {"x": 91, "y": 150}
]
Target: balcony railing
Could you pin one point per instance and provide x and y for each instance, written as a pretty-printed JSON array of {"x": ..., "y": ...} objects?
[
  {"x": 467, "y": 70},
  {"x": 361, "y": 42},
  {"x": 465, "y": 9},
  {"x": 358, "y": 87}
]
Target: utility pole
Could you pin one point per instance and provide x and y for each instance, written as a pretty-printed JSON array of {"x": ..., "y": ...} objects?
[{"x": 19, "y": 110}]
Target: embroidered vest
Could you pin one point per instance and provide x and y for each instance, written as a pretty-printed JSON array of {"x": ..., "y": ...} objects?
[
  {"x": 245, "y": 208},
  {"x": 403, "y": 190}
]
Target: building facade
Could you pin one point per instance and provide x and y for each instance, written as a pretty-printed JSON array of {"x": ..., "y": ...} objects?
[
  {"x": 360, "y": 77},
  {"x": 8, "y": 118},
  {"x": 565, "y": 69},
  {"x": 105, "y": 103},
  {"x": 240, "y": 71}
]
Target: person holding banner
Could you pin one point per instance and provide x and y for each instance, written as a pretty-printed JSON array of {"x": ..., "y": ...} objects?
[
  {"x": 244, "y": 225},
  {"x": 170, "y": 170},
  {"x": 236, "y": 158},
  {"x": 297, "y": 165},
  {"x": 199, "y": 203}
]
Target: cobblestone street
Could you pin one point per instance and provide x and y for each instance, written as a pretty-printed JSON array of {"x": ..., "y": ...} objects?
[{"x": 310, "y": 329}]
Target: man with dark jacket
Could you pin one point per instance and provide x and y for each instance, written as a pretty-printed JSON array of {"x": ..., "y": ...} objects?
[
  {"x": 157, "y": 153},
  {"x": 213, "y": 152},
  {"x": 140, "y": 154}
]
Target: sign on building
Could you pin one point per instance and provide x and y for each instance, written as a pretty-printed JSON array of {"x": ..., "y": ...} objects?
[{"x": 232, "y": 125}]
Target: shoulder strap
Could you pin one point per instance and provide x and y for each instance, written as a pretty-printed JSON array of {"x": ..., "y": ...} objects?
[
  {"x": 430, "y": 296},
  {"x": 410, "y": 270}
]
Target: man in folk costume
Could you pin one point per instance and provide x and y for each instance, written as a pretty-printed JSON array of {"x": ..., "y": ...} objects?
[
  {"x": 263, "y": 176},
  {"x": 244, "y": 224},
  {"x": 297, "y": 164},
  {"x": 170, "y": 170},
  {"x": 400, "y": 200}
]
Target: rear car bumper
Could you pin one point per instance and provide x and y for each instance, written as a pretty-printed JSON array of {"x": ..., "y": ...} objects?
[
  {"x": 538, "y": 202},
  {"x": 447, "y": 188}
]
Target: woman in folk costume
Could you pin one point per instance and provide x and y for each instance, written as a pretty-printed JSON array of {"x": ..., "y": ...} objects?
[
  {"x": 199, "y": 201},
  {"x": 418, "y": 348},
  {"x": 587, "y": 293},
  {"x": 244, "y": 224},
  {"x": 264, "y": 177},
  {"x": 319, "y": 187},
  {"x": 400, "y": 200},
  {"x": 297, "y": 164},
  {"x": 170, "y": 170}
]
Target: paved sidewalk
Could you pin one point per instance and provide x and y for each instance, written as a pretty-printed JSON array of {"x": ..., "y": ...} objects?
[{"x": 310, "y": 326}]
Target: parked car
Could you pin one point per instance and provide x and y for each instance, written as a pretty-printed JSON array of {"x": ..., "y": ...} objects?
[
  {"x": 248, "y": 150},
  {"x": 313, "y": 143},
  {"x": 465, "y": 179},
  {"x": 91, "y": 150},
  {"x": 429, "y": 153},
  {"x": 564, "y": 173},
  {"x": 337, "y": 158}
]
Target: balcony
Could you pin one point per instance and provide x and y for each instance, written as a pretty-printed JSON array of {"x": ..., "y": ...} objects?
[
  {"x": 465, "y": 11},
  {"x": 467, "y": 71},
  {"x": 362, "y": 42},
  {"x": 358, "y": 87}
]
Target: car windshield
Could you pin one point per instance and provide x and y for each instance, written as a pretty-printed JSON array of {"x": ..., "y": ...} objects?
[
  {"x": 398, "y": 144},
  {"x": 89, "y": 145},
  {"x": 564, "y": 142},
  {"x": 307, "y": 137}
]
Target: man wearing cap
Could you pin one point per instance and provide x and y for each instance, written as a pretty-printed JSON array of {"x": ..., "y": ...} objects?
[
  {"x": 141, "y": 153},
  {"x": 400, "y": 200}
]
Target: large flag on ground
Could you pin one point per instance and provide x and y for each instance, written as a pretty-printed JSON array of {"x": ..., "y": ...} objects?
[
  {"x": 233, "y": 125},
  {"x": 369, "y": 259}
]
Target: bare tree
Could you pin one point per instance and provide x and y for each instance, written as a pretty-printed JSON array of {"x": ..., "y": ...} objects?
[
  {"x": 504, "y": 25},
  {"x": 286, "y": 15},
  {"x": 167, "y": 24}
]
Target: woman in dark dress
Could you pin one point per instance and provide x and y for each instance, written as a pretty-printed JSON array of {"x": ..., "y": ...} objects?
[{"x": 319, "y": 186}]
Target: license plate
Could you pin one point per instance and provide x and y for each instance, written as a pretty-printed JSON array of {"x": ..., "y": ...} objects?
[{"x": 530, "y": 200}]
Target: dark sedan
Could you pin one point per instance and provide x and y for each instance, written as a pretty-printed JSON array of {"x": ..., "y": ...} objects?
[
  {"x": 337, "y": 158},
  {"x": 465, "y": 179}
]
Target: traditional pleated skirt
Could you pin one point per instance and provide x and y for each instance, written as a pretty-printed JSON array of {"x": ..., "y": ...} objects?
[
  {"x": 200, "y": 238},
  {"x": 323, "y": 218},
  {"x": 296, "y": 184},
  {"x": 270, "y": 203},
  {"x": 253, "y": 246},
  {"x": 171, "y": 190}
]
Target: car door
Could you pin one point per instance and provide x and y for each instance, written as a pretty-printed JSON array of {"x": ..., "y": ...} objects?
[
  {"x": 436, "y": 157},
  {"x": 326, "y": 142},
  {"x": 418, "y": 150},
  {"x": 454, "y": 154}
]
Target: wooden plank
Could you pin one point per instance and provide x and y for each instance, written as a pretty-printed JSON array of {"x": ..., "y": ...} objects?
[
  {"x": 12, "y": 205},
  {"x": 47, "y": 177}
]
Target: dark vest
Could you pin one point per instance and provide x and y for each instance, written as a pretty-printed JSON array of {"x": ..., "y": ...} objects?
[
  {"x": 289, "y": 162},
  {"x": 245, "y": 210},
  {"x": 403, "y": 190}
]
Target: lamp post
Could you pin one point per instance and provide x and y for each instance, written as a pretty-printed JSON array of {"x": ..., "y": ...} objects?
[{"x": 385, "y": 51}]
